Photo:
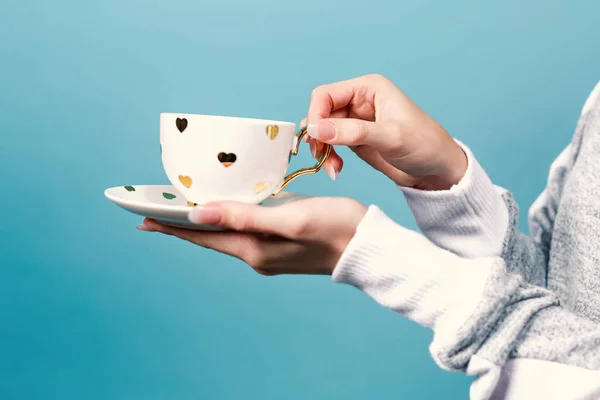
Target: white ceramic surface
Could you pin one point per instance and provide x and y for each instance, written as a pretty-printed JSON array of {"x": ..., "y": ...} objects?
[
  {"x": 165, "y": 204},
  {"x": 210, "y": 158}
]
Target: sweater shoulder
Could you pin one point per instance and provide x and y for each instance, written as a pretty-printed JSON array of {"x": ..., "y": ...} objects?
[
  {"x": 593, "y": 100},
  {"x": 590, "y": 115}
]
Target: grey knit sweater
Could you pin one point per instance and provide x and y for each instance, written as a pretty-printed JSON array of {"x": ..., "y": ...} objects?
[{"x": 520, "y": 312}]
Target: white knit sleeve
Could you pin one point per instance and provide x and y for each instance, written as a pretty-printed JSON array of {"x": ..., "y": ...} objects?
[
  {"x": 482, "y": 316},
  {"x": 470, "y": 219}
]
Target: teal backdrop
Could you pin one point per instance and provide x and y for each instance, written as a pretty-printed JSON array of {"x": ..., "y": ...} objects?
[{"x": 93, "y": 309}]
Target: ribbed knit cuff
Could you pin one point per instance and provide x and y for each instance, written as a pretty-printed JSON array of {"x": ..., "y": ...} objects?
[
  {"x": 470, "y": 219},
  {"x": 402, "y": 270}
]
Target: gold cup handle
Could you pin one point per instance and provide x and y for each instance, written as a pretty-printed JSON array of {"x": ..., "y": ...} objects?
[{"x": 304, "y": 171}]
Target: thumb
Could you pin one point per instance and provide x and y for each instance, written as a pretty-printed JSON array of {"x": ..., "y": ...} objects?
[
  {"x": 355, "y": 132},
  {"x": 240, "y": 217}
]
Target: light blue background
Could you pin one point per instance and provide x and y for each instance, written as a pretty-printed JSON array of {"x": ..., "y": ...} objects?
[{"x": 93, "y": 309}]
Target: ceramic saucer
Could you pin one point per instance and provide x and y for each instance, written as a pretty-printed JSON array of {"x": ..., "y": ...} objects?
[{"x": 164, "y": 204}]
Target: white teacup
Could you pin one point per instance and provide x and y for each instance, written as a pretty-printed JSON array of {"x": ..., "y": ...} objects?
[{"x": 212, "y": 158}]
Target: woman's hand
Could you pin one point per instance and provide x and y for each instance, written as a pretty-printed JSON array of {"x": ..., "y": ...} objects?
[
  {"x": 301, "y": 237},
  {"x": 387, "y": 130}
]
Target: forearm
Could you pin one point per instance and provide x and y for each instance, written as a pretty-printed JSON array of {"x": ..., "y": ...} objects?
[
  {"x": 475, "y": 218},
  {"x": 463, "y": 300},
  {"x": 470, "y": 219},
  {"x": 476, "y": 309}
]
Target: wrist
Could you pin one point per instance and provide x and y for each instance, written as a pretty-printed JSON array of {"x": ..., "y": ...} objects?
[
  {"x": 339, "y": 239},
  {"x": 470, "y": 219},
  {"x": 450, "y": 172}
]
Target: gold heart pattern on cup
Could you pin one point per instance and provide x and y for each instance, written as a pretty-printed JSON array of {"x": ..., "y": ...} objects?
[
  {"x": 261, "y": 187},
  {"x": 227, "y": 159},
  {"x": 185, "y": 180},
  {"x": 272, "y": 131}
]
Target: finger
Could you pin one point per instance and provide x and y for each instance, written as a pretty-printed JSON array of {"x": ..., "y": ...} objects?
[
  {"x": 244, "y": 217},
  {"x": 245, "y": 246},
  {"x": 328, "y": 98},
  {"x": 341, "y": 113},
  {"x": 319, "y": 148},
  {"x": 336, "y": 161},
  {"x": 185, "y": 234},
  {"x": 266, "y": 255},
  {"x": 356, "y": 132},
  {"x": 302, "y": 125},
  {"x": 332, "y": 155},
  {"x": 334, "y": 96},
  {"x": 333, "y": 165}
]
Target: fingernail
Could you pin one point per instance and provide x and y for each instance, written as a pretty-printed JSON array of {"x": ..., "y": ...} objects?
[
  {"x": 313, "y": 149},
  {"x": 324, "y": 131},
  {"x": 302, "y": 124},
  {"x": 333, "y": 174},
  {"x": 205, "y": 215},
  {"x": 313, "y": 130},
  {"x": 145, "y": 228},
  {"x": 302, "y": 127}
]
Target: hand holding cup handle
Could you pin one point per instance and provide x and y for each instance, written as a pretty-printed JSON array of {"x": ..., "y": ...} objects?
[
  {"x": 333, "y": 164},
  {"x": 322, "y": 159},
  {"x": 385, "y": 128}
]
